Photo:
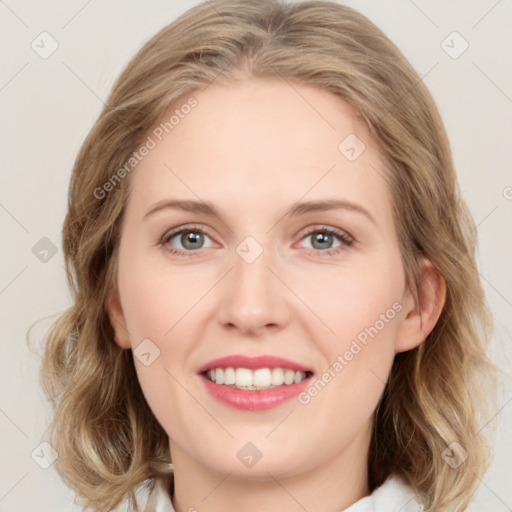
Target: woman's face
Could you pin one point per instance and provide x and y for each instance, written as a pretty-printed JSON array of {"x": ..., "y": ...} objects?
[{"x": 288, "y": 251}]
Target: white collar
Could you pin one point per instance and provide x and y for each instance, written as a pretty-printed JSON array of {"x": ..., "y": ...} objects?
[{"x": 394, "y": 495}]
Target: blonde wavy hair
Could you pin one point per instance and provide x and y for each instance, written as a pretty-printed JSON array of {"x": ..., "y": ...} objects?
[{"x": 106, "y": 436}]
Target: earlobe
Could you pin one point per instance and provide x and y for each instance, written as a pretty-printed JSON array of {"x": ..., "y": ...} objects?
[
  {"x": 421, "y": 315},
  {"x": 117, "y": 320}
]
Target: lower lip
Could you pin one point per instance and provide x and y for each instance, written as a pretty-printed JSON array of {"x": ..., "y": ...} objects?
[{"x": 254, "y": 399}]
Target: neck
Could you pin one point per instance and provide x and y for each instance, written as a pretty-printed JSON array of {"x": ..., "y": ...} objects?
[{"x": 330, "y": 487}]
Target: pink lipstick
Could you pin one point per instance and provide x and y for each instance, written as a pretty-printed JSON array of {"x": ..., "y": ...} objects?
[{"x": 254, "y": 383}]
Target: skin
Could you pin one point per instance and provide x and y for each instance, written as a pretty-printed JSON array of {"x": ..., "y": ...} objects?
[{"x": 253, "y": 149}]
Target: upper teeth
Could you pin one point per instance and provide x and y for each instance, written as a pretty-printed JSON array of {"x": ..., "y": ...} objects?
[{"x": 254, "y": 379}]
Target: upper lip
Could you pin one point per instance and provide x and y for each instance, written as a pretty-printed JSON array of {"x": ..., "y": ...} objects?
[{"x": 264, "y": 361}]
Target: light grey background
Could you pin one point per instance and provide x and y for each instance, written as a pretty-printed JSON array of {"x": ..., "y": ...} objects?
[{"x": 49, "y": 105}]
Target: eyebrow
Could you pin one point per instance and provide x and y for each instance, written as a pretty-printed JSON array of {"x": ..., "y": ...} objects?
[{"x": 295, "y": 210}]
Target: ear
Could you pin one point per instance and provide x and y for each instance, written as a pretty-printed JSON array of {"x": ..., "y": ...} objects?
[
  {"x": 117, "y": 320},
  {"x": 421, "y": 315}
]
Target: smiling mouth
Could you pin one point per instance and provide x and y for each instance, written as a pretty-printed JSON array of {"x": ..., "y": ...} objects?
[{"x": 257, "y": 379}]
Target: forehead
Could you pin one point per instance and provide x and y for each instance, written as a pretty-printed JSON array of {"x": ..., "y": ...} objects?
[{"x": 265, "y": 140}]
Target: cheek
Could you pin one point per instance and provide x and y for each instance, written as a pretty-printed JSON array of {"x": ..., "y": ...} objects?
[
  {"x": 155, "y": 305},
  {"x": 362, "y": 307},
  {"x": 154, "y": 299},
  {"x": 354, "y": 302}
]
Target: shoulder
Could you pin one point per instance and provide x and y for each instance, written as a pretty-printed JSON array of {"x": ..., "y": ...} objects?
[
  {"x": 158, "y": 499},
  {"x": 394, "y": 495}
]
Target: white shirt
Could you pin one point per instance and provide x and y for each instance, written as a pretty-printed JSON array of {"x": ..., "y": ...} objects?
[{"x": 392, "y": 496}]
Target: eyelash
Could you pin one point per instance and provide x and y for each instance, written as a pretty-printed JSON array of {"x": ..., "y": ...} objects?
[{"x": 346, "y": 241}]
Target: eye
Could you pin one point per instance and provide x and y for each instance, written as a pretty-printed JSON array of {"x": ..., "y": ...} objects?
[
  {"x": 323, "y": 237},
  {"x": 185, "y": 241},
  {"x": 188, "y": 240}
]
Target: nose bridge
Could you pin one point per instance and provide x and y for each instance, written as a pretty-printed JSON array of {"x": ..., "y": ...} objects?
[{"x": 254, "y": 297}]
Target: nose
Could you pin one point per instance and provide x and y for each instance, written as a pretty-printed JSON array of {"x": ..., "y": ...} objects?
[{"x": 253, "y": 300}]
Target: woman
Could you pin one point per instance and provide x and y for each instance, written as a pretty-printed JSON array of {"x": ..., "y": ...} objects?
[{"x": 274, "y": 278}]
